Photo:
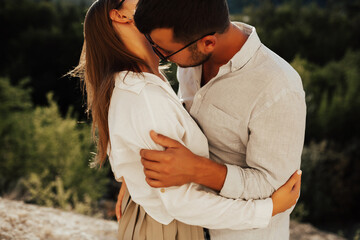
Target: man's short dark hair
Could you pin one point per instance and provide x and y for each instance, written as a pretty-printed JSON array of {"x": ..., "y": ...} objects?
[{"x": 188, "y": 18}]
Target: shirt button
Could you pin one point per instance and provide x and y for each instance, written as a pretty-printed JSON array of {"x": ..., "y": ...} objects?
[
  {"x": 162, "y": 190},
  {"x": 199, "y": 96}
]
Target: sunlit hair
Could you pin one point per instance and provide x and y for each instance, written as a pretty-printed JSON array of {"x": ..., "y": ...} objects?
[{"x": 102, "y": 56}]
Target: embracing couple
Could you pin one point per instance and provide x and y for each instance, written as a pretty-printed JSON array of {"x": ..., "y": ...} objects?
[{"x": 224, "y": 151}]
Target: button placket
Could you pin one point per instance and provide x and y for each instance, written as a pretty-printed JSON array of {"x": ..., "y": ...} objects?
[{"x": 196, "y": 103}]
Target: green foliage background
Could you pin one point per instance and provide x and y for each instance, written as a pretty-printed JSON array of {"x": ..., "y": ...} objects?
[
  {"x": 44, "y": 157},
  {"x": 46, "y": 145}
]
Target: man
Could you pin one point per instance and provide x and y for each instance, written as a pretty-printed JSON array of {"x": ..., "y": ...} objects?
[{"x": 247, "y": 100}]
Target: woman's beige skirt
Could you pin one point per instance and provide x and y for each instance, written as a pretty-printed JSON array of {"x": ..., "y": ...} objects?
[{"x": 136, "y": 224}]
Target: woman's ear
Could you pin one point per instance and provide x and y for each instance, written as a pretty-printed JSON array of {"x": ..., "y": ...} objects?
[{"x": 116, "y": 16}]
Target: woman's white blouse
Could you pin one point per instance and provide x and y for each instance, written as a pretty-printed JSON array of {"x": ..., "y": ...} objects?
[{"x": 143, "y": 102}]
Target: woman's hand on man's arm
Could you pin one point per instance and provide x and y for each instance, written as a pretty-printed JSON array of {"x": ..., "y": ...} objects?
[{"x": 287, "y": 195}]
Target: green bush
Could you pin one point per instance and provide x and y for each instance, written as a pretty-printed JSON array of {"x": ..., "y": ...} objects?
[
  {"x": 329, "y": 189},
  {"x": 16, "y": 131},
  {"x": 333, "y": 99},
  {"x": 331, "y": 166},
  {"x": 292, "y": 28},
  {"x": 46, "y": 153}
]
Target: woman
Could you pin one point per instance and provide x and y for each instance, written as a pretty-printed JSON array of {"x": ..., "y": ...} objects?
[{"x": 128, "y": 97}]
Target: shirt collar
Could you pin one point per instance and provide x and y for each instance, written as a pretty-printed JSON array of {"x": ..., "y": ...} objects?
[
  {"x": 238, "y": 61},
  {"x": 135, "y": 82},
  {"x": 247, "y": 51}
]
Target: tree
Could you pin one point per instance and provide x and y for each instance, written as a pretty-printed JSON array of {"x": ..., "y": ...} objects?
[{"x": 43, "y": 40}]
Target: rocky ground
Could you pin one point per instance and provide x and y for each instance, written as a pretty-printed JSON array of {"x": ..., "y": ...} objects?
[{"x": 21, "y": 221}]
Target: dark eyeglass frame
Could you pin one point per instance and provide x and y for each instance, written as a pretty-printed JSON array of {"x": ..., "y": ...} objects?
[
  {"x": 120, "y": 3},
  {"x": 166, "y": 58}
]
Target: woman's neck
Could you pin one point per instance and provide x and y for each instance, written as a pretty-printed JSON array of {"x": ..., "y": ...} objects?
[{"x": 152, "y": 62}]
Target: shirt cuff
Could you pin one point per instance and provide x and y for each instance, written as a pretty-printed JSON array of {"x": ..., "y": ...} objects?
[
  {"x": 234, "y": 183},
  {"x": 263, "y": 212}
]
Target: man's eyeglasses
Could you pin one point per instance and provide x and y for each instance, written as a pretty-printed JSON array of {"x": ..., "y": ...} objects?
[{"x": 156, "y": 48}]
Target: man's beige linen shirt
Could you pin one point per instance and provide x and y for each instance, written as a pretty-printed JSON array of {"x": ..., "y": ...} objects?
[{"x": 253, "y": 115}]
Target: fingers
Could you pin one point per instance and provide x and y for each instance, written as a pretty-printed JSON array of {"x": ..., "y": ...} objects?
[
  {"x": 153, "y": 155},
  {"x": 296, "y": 177},
  {"x": 294, "y": 185},
  {"x": 152, "y": 174},
  {"x": 119, "y": 200},
  {"x": 118, "y": 208},
  {"x": 297, "y": 187},
  {"x": 151, "y": 171},
  {"x": 163, "y": 140},
  {"x": 153, "y": 183},
  {"x": 118, "y": 211},
  {"x": 151, "y": 165},
  {"x": 298, "y": 180}
]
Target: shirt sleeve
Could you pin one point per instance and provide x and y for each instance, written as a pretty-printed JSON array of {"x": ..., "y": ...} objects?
[
  {"x": 274, "y": 149},
  {"x": 187, "y": 203}
]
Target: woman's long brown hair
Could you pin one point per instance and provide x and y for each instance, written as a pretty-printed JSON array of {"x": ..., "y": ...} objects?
[{"x": 102, "y": 56}]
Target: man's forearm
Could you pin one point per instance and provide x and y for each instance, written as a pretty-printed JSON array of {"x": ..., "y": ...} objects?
[
  {"x": 213, "y": 175},
  {"x": 209, "y": 173}
]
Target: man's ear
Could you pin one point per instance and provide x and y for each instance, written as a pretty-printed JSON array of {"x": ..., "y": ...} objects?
[
  {"x": 207, "y": 44},
  {"x": 118, "y": 17}
]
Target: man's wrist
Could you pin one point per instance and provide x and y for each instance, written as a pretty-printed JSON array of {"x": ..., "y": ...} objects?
[
  {"x": 197, "y": 173},
  {"x": 209, "y": 173}
]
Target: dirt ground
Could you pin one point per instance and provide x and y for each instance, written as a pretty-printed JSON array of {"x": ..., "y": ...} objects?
[{"x": 22, "y": 221}]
